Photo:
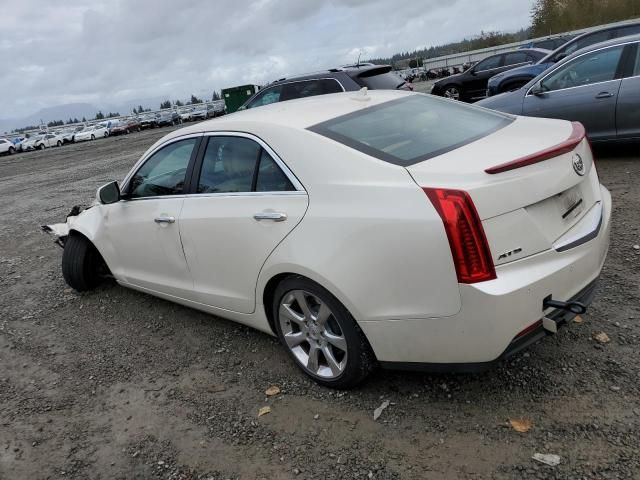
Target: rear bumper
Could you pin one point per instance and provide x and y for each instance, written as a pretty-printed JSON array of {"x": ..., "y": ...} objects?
[
  {"x": 493, "y": 313},
  {"x": 521, "y": 342}
]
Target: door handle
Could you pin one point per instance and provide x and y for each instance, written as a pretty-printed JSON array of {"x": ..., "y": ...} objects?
[
  {"x": 273, "y": 216},
  {"x": 604, "y": 95},
  {"x": 165, "y": 219}
]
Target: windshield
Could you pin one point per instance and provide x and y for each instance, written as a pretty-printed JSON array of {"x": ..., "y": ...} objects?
[{"x": 412, "y": 129}]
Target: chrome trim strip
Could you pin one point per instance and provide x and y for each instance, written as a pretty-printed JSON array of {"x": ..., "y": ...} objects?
[{"x": 578, "y": 240}]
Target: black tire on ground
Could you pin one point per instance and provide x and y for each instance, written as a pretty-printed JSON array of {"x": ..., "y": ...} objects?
[
  {"x": 93, "y": 137},
  {"x": 12, "y": 150},
  {"x": 41, "y": 146},
  {"x": 106, "y": 134},
  {"x": 81, "y": 263},
  {"x": 127, "y": 131},
  {"x": 360, "y": 358},
  {"x": 59, "y": 143}
]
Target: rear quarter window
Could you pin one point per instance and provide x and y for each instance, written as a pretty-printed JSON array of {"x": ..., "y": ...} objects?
[{"x": 412, "y": 129}]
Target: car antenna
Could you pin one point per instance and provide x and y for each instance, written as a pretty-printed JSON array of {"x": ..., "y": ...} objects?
[{"x": 358, "y": 63}]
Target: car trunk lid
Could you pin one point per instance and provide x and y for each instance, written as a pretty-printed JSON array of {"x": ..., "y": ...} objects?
[{"x": 531, "y": 183}]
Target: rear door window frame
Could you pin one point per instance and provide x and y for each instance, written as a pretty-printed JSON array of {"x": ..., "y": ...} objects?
[{"x": 197, "y": 168}]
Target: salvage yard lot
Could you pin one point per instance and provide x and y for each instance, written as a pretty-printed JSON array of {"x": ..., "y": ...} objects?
[{"x": 117, "y": 384}]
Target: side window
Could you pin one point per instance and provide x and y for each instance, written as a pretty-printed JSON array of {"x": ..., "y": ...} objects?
[
  {"x": 266, "y": 97},
  {"x": 515, "y": 58},
  {"x": 228, "y": 165},
  {"x": 164, "y": 172},
  {"x": 270, "y": 177},
  {"x": 594, "y": 38},
  {"x": 624, "y": 31},
  {"x": 593, "y": 67},
  {"x": 489, "y": 63},
  {"x": 238, "y": 164},
  {"x": 309, "y": 88}
]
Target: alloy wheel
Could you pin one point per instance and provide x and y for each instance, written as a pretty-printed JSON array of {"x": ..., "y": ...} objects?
[
  {"x": 452, "y": 93},
  {"x": 312, "y": 334}
]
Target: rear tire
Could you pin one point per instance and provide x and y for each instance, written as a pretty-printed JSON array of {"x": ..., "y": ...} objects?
[
  {"x": 59, "y": 144},
  {"x": 41, "y": 146},
  {"x": 93, "y": 137},
  {"x": 329, "y": 347},
  {"x": 81, "y": 263}
]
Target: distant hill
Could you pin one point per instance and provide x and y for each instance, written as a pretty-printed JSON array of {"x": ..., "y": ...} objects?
[{"x": 59, "y": 112}]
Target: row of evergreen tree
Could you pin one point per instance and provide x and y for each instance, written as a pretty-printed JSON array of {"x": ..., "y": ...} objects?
[{"x": 548, "y": 17}]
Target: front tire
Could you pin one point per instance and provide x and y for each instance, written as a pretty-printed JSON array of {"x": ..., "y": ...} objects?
[
  {"x": 93, "y": 137},
  {"x": 12, "y": 150},
  {"x": 41, "y": 146},
  {"x": 59, "y": 144},
  {"x": 453, "y": 92},
  {"x": 320, "y": 335},
  {"x": 81, "y": 263}
]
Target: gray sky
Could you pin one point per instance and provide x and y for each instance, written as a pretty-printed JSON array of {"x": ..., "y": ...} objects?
[{"x": 106, "y": 52}]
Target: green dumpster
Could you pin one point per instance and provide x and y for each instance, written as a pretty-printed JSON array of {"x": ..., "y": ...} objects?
[{"x": 234, "y": 97}]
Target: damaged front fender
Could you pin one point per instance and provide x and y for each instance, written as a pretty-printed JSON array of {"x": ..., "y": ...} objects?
[{"x": 61, "y": 230}]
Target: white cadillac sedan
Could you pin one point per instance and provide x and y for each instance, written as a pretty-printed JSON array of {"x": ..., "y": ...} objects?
[{"x": 361, "y": 228}]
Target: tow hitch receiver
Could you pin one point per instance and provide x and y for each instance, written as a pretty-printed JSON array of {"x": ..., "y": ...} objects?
[
  {"x": 551, "y": 324},
  {"x": 577, "y": 308}
]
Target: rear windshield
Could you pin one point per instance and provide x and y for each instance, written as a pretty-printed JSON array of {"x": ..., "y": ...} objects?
[
  {"x": 412, "y": 129},
  {"x": 384, "y": 81}
]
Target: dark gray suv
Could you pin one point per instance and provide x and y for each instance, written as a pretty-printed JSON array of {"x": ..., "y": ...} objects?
[{"x": 335, "y": 80}]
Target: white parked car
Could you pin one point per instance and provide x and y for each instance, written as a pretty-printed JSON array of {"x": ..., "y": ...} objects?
[
  {"x": 42, "y": 141},
  {"x": 91, "y": 133},
  {"x": 185, "y": 114},
  {"x": 7, "y": 147},
  {"x": 388, "y": 227}
]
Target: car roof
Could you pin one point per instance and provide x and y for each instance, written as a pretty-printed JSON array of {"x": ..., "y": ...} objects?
[
  {"x": 297, "y": 114},
  {"x": 586, "y": 34},
  {"x": 351, "y": 70},
  {"x": 606, "y": 43}
]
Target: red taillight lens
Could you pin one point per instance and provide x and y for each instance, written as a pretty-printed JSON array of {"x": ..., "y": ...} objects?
[{"x": 469, "y": 247}]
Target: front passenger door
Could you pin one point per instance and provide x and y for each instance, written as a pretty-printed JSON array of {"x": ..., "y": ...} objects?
[
  {"x": 245, "y": 204},
  {"x": 143, "y": 229},
  {"x": 584, "y": 89}
]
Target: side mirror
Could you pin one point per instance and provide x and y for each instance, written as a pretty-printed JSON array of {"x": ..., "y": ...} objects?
[
  {"x": 109, "y": 193},
  {"x": 537, "y": 89}
]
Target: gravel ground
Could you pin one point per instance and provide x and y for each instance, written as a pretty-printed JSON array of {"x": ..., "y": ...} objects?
[{"x": 117, "y": 384}]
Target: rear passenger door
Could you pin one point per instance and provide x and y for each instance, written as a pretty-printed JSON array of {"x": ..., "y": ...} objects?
[
  {"x": 243, "y": 203},
  {"x": 628, "y": 107}
]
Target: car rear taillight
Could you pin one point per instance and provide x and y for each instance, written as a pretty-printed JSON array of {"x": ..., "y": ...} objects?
[{"x": 469, "y": 247}]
